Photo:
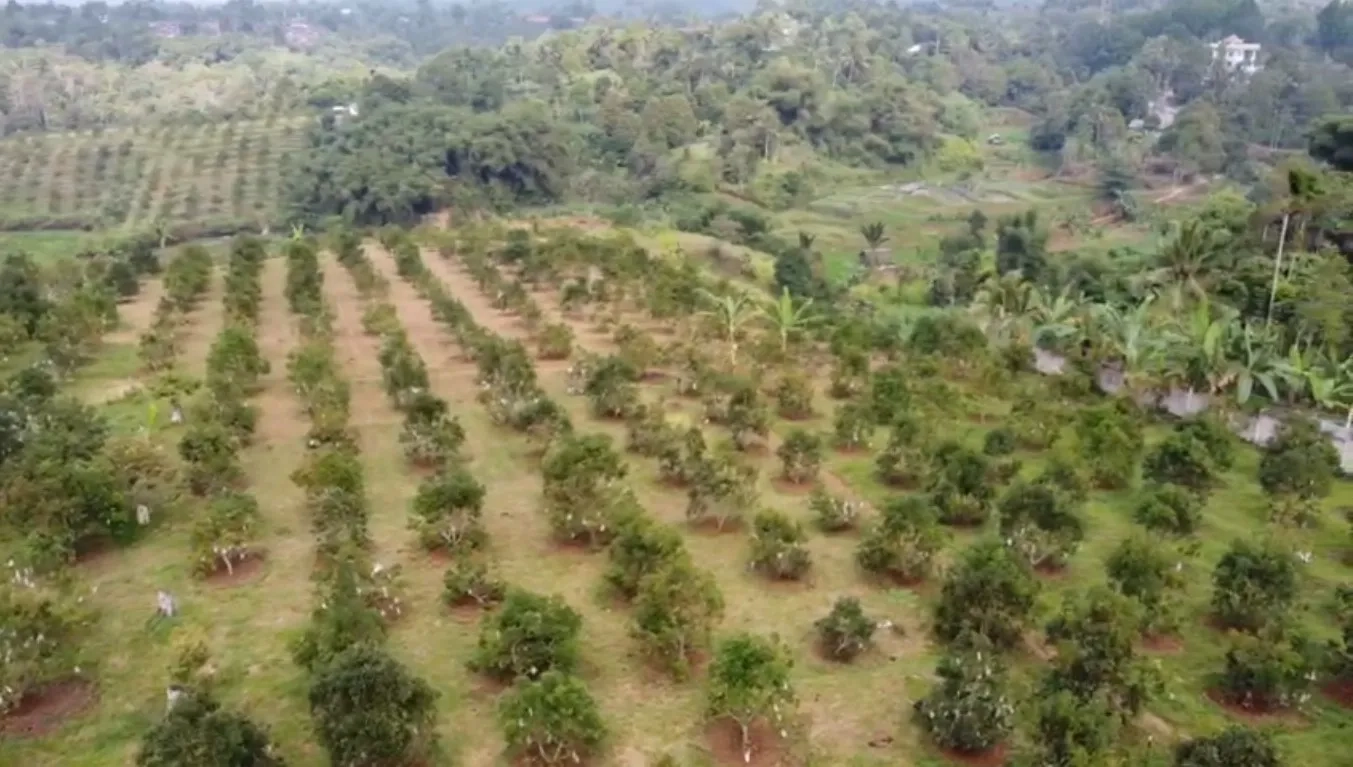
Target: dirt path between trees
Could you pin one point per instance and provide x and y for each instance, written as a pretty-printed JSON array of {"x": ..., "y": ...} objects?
[{"x": 136, "y": 315}]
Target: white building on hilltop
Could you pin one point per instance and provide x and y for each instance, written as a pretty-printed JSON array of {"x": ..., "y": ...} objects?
[{"x": 1238, "y": 55}]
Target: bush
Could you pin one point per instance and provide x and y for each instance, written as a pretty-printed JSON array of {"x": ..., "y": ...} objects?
[
  {"x": 1301, "y": 462},
  {"x": 197, "y": 731},
  {"x": 641, "y": 546},
  {"x": 40, "y": 637},
  {"x": 832, "y": 514},
  {"x": 551, "y": 720},
  {"x": 1145, "y": 570},
  {"x": 999, "y": 441},
  {"x": 846, "y": 631},
  {"x": 675, "y": 609},
  {"x": 367, "y": 708},
  {"x": 1216, "y": 439},
  {"x": 1169, "y": 509},
  {"x": 530, "y": 635},
  {"x": 853, "y": 426},
  {"x": 1095, "y": 635},
  {"x": 988, "y": 593},
  {"x": 1270, "y": 671},
  {"x": 1039, "y": 525},
  {"x": 448, "y": 511},
  {"x": 970, "y": 710},
  {"x": 469, "y": 582},
  {"x": 777, "y": 546},
  {"x": 555, "y": 342},
  {"x": 222, "y": 537},
  {"x": 801, "y": 456},
  {"x": 584, "y": 499},
  {"x": 902, "y": 545},
  {"x": 1253, "y": 585},
  {"x": 958, "y": 484},
  {"x": 1180, "y": 459},
  {"x": 1111, "y": 442},
  {"x": 749, "y": 682},
  {"x": 794, "y": 397},
  {"x": 1235, "y": 746}
]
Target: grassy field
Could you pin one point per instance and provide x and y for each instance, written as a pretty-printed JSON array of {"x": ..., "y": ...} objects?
[
  {"x": 855, "y": 714},
  {"x": 210, "y": 176}
]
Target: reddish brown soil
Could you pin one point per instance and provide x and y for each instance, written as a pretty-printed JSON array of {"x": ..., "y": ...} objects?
[
  {"x": 725, "y": 743},
  {"x": 792, "y": 488},
  {"x": 1162, "y": 644},
  {"x": 246, "y": 570},
  {"x": 711, "y": 526},
  {"x": 46, "y": 710},
  {"x": 1051, "y": 572},
  {"x": 1341, "y": 692},
  {"x": 1252, "y": 714},
  {"x": 992, "y": 757},
  {"x": 852, "y": 450}
]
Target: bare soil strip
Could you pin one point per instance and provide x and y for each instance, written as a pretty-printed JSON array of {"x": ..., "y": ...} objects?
[
  {"x": 204, "y": 324},
  {"x": 136, "y": 315}
]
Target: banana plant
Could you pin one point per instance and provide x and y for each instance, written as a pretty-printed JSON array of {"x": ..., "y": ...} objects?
[
  {"x": 1256, "y": 363},
  {"x": 730, "y": 313},
  {"x": 786, "y": 318},
  {"x": 1055, "y": 317}
]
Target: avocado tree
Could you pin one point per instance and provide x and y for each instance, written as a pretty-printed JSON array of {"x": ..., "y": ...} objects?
[
  {"x": 210, "y": 452},
  {"x": 1270, "y": 670},
  {"x": 448, "y": 511},
  {"x": 1180, "y": 459},
  {"x": 778, "y": 546},
  {"x": 794, "y": 397},
  {"x": 554, "y": 342},
  {"x": 800, "y": 455},
  {"x": 1039, "y": 525},
  {"x": 834, "y": 514},
  {"x": 1169, "y": 509},
  {"x": 853, "y": 427},
  {"x": 1146, "y": 570},
  {"x": 970, "y": 710},
  {"x": 641, "y": 546},
  {"x": 989, "y": 593},
  {"x": 903, "y": 543},
  {"x": 529, "y": 635},
  {"x": 1094, "y": 634},
  {"x": 551, "y": 720},
  {"x": 468, "y": 581},
  {"x": 196, "y": 730},
  {"x": 1253, "y": 585},
  {"x": 222, "y": 537},
  {"x": 749, "y": 682},
  {"x": 583, "y": 497},
  {"x": 722, "y": 489},
  {"x": 1236, "y": 746},
  {"x": 675, "y": 609},
  {"x": 846, "y": 631},
  {"x": 1296, "y": 470},
  {"x": 431, "y": 435},
  {"x": 1111, "y": 442},
  {"x": 368, "y": 709},
  {"x": 958, "y": 483},
  {"x": 41, "y": 631}
]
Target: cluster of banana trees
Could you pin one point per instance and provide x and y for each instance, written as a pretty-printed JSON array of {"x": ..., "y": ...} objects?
[{"x": 1195, "y": 347}]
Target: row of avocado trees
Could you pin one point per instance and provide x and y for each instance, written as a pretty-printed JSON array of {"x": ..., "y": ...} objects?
[
  {"x": 988, "y": 598},
  {"x": 186, "y": 280}
]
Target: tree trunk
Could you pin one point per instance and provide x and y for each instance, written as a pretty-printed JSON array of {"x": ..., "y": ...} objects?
[
  {"x": 746, "y": 744},
  {"x": 1277, "y": 269}
]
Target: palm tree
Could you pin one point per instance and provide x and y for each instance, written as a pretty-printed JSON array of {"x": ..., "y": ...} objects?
[
  {"x": 730, "y": 313},
  {"x": 1302, "y": 189},
  {"x": 786, "y": 318},
  {"x": 1003, "y": 306},
  {"x": 874, "y": 238},
  {"x": 297, "y": 232},
  {"x": 806, "y": 241},
  {"x": 1189, "y": 258}
]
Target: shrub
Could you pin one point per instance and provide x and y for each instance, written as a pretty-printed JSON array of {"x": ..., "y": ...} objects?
[
  {"x": 1235, "y": 746},
  {"x": 832, "y": 514},
  {"x": 1095, "y": 636},
  {"x": 846, "y": 631},
  {"x": 529, "y": 635},
  {"x": 222, "y": 537},
  {"x": 551, "y": 720},
  {"x": 675, "y": 609},
  {"x": 1301, "y": 462},
  {"x": 749, "y": 682},
  {"x": 721, "y": 489},
  {"x": 1000, "y": 441},
  {"x": 1039, "y": 525},
  {"x": 555, "y": 342},
  {"x": 970, "y": 710},
  {"x": 1253, "y": 585},
  {"x": 1145, "y": 570},
  {"x": 468, "y": 581},
  {"x": 197, "y": 731},
  {"x": 988, "y": 593},
  {"x": 777, "y": 546},
  {"x": 367, "y": 708},
  {"x": 801, "y": 456},
  {"x": 448, "y": 511},
  {"x": 1181, "y": 460},
  {"x": 1169, "y": 509},
  {"x": 794, "y": 397},
  {"x": 641, "y": 546},
  {"x": 40, "y": 637},
  {"x": 1269, "y": 671},
  {"x": 902, "y": 545},
  {"x": 1111, "y": 442},
  {"x": 1216, "y": 439},
  {"x": 853, "y": 426},
  {"x": 583, "y": 497}
]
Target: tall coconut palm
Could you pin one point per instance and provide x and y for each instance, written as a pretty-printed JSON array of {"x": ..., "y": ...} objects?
[
  {"x": 1186, "y": 263},
  {"x": 785, "y": 317},
  {"x": 730, "y": 313},
  {"x": 1302, "y": 188}
]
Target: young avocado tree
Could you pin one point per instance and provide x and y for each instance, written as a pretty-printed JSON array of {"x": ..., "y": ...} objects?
[
  {"x": 552, "y": 720},
  {"x": 853, "y": 427},
  {"x": 722, "y": 489},
  {"x": 1146, "y": 570},
  {"x": 801, "y": 456},
  {"x": 833, "y": 514},
  {"x": 223, "y": 536},
  {"x": 675, "y": 609},
  {"x": 1236, "y": 746},
  {"x": 989, "y": 593},
  {"x": 1270, "y": 670},
  {"x": 970, "y": 711},
  {"x": 641, "y": 547},
  {"x": 1296, "y": 471},
  {"x": 902, "y": 544},
  {"x": 448, "y": 511},
  {"x": 1169, "y": 509},
  {"x": 1095, "y": 635},
  {"x": 529, "y": 635},
  {"x": 583, "y": 497},
  {"x": 468, "y": 582},
  {"x": 846, "y": 631},
  {"x": 368, "y": 709},
  {"x": 1253, "y": 585},
  {"x": 1111, "y": 441},
  {"x": 197, "y": 731},
  {"x": 431, "y": 435},
  {"x": 748, "y": 683},
  {"x": 794, "y": 397},
  {"x": 778, "y": 546},
  {"x": 1039, "y": 525},
  {"x": 41, "y": 632}
]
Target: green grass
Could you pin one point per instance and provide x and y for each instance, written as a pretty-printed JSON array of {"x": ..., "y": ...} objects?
[{"x": 48, "y": 246}]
